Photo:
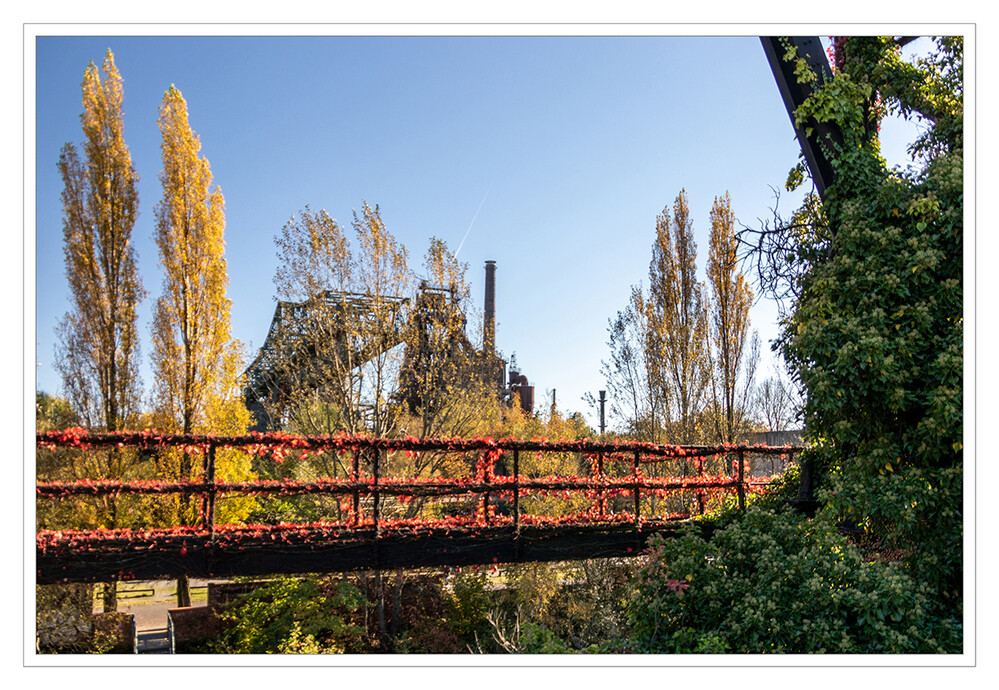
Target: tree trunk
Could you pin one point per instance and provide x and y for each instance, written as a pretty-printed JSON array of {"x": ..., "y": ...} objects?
[
  {"x": 110, "y": 597},
  {"x": 396, "y": 605},
  {"x": 383, "y": 636},
  {"x": 183, "y": 592},
  {"x": 183, "y": 584}
]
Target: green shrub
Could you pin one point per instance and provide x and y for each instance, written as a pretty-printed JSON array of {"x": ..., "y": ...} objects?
[
  {"x": 520, "y": 637},
  {"x": 304, "y": 615},
  {"x": 581, "y": 602},
  {"x": 468, "y": 606},
  {"x": 777, "y": 582},
  {"x": 537, "y": 639}
]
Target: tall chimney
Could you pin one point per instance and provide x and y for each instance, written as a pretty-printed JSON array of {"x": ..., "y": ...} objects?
[{"x": 489, "y": 327}]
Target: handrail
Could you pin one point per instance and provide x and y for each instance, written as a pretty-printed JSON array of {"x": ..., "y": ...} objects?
[
  {"x": 485, "y": 484},
  {"x": 149, "y": 438}
]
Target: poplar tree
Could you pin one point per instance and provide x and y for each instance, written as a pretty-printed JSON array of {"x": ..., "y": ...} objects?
[
  {"x": 677, "y": 320},
  {"x": 734, "y": 350},
  {"x": 97, "y": 343},
  {"x": 196, "y": 363}
]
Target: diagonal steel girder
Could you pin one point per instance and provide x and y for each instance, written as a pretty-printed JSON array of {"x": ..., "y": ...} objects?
[{"x": 825, "y": 137}]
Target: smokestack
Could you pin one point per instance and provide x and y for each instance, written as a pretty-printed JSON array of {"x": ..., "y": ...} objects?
[{"x": 489, "y": 334}]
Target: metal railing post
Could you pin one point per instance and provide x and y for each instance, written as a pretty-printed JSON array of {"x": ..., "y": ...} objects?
[
  {"x": 741, "y": 489},
  {"x": 374, "y": 491},
  {"x": 516, "y": 489},
  {"x": 208, "y": 498},
  {"x": 355, "y": 471},
  {"x": 634, "y": 474},
  {"x": 700, "y": 492},
  {"x": 485, "y": 494},
  {"x": 600, "y": 491}
]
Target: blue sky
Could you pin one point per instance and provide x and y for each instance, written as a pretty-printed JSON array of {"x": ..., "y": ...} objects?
[{"x": 562, "y": 149}]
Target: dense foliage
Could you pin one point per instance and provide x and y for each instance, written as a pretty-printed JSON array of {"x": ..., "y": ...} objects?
[
  {"x": 874, "y": 338},
  {"x": 291, "y": 615},
  {"x": 877, "y": 335},
  {"x": 777, "y": 582},
  {"x": 538, "y": 608}
]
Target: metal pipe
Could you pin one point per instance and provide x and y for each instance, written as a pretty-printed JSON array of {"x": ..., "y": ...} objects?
[{"x": 600, "y": 493}]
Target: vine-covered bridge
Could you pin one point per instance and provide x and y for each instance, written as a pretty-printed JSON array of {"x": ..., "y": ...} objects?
[{"x": 496, "y": 508}]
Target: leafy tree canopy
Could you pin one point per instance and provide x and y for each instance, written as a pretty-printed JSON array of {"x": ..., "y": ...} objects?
[{"x": 876, "y": 335}]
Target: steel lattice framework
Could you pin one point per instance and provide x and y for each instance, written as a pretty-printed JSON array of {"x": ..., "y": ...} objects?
[
  {"x": 298, "y": 339},
  {"x": 297, "y": 352}
]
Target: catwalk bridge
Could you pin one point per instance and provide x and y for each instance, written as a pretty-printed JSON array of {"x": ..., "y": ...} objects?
[{"x": 497, "y": 508}]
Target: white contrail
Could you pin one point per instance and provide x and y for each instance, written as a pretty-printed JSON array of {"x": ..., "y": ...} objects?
[{"x": 472, "y": 223}]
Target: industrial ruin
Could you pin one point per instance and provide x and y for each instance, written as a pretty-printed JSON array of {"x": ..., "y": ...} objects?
[{"x": 355, "y": 328}]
